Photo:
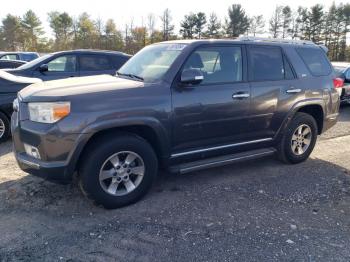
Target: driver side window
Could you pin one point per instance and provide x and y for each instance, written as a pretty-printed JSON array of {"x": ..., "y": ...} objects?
[
  {"x": 218, "y": 64},
  {"x": 66, "y": 63}
]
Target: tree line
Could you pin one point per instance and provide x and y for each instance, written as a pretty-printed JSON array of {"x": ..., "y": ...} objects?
[{"x": 318, "y": 24}]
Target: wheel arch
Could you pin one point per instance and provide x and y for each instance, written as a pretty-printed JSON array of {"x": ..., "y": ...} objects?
[
  {"x": 313, "y": 107},
  {"x": 155, "y": 136}
]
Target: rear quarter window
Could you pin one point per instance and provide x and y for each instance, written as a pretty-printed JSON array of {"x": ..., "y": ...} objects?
[{"x": 316, "y": 61}]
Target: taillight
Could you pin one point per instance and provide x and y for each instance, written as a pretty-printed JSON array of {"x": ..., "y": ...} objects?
[{"x": 338, "y": 82}]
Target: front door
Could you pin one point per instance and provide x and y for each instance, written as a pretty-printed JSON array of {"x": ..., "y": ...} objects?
[
  {"x": 214, "y": 112},
  {"x": 60, "y": 67}
]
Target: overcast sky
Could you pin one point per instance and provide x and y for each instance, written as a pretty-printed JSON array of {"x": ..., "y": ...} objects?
[{"x": 123, "y": 11}]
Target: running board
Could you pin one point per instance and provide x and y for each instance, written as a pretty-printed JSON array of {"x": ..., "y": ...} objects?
[{"x": 221, "y": 161}]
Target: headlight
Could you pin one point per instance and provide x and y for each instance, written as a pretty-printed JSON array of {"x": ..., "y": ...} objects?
[{"x": 48, "y": 112}]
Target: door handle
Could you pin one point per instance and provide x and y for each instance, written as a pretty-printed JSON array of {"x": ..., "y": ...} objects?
[
  {"x": 293, "y": 90},
  {"x": 240, "y": 95}
]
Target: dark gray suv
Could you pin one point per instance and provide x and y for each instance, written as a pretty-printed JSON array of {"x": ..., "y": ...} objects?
[{"x": 180, "y": 105}]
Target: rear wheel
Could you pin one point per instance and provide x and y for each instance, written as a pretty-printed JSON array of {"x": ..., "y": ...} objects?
[
  {"x": 118, "y": 171},
  {"x": 299, "y": 139},
  {"x": 4, "y": 127}
]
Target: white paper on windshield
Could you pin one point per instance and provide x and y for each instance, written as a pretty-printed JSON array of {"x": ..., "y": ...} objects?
[
  {"x": 18, "y": 79},
  {"x": 175, "y": 47}
]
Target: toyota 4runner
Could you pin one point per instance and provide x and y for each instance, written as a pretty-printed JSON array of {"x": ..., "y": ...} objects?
[{"x": 180, "y": 105}]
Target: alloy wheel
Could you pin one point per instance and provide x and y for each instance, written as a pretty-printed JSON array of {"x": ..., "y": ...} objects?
[
  {"x": 122, "y": 173},
  {"x": 2, "y": 128},
  {"x": 301, "y": 139}
]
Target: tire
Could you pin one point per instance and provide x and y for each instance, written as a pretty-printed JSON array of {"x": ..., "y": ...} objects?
[
  {"x": 4, "y": 127},
  {"x": 106, "y": 164},
  {"x": 294, "y": 152}
]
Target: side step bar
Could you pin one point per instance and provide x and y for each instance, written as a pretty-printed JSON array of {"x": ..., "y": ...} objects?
[{"x": 222, "y": 160}]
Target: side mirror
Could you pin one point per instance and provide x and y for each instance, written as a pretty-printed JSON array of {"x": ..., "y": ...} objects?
[
  {"x": 44, "y": 68},
  {"x": 191, "y": 77}
]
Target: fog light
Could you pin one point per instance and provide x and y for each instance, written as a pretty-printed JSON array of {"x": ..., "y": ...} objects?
[{"x": 32, "y": 151}]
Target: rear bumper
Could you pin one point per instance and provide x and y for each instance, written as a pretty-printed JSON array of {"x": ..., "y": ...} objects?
[
  {"x": 345, "y": 94},
  {"x": 330, "y": 121}
]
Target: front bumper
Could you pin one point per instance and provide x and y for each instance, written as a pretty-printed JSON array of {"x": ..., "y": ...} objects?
[
  {"x": 59, "y": 152},
  {"x": 54, "y": 171}
]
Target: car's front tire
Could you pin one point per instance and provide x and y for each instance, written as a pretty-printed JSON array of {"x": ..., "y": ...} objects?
[
  {"x": 118, "y": 171},
  {"x": 299, "y": 139},
  {"x": 4, "y": 127}
]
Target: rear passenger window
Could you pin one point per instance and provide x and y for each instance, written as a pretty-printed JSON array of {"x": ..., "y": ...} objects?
[
  {"x": 316, "y": 61},
  {"x": 266, "y": 63},
  {"x": 94, "y": 63}
]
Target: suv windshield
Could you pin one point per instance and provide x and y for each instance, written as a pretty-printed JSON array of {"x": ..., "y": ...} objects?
[
  {"x": 152, "y": 62},
  {"x": 34, "y": 62}
]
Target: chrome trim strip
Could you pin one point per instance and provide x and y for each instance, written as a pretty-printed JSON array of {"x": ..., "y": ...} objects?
[
  {"x": 220, "y": 147},
  {"x": 28, "y": 163},
  {"x": 189, "y": 169}
]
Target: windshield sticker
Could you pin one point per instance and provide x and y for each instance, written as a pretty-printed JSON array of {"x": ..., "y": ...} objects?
[{"x": 175, "y": 47}]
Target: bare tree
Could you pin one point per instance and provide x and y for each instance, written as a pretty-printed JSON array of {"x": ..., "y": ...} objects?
[
  {"x": 151, "y": 24},
  {"x": 256, "y": 25},
  {"x": 167, "y": 26},
  {"x": 276, "y": 22}
]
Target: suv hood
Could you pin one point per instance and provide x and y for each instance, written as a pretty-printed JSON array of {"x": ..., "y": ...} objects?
[{"x": 62, "y": 89}]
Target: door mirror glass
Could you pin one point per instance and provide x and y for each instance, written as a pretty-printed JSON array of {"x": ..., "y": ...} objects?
[
  {"x": 43, "y": 68},
  {"x": 191, "y": 76}
]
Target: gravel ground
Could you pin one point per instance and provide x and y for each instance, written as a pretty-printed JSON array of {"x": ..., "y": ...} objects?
[{"x": 257, "y": 211}]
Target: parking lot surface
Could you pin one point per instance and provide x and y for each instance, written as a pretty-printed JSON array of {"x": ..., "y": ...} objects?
[{"x": 262, "y": 210}]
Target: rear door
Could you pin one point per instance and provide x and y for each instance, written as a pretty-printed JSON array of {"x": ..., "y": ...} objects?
[
  {"x": 273, "y": 89},
  {"x": 95, "y": 64}
]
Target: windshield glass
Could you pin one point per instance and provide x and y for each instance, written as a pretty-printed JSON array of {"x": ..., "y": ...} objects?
[
  {"x": 34, "y": 62},
  {"x": 152, "y": 62}
]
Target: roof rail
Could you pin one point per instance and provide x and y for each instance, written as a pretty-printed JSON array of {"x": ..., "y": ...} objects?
[{"x": 276, "y": 40}]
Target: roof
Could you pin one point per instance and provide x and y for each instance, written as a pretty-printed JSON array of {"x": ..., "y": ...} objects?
[
  {"x": 245, "y": 40},
  {"x": 16, "y": 52},
  {"x": 93, "y": 51}
]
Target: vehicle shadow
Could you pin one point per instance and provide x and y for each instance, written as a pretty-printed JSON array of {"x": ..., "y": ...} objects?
[
  {"x": 5, "y": 148},
  {"x": 246, "y": 179},
  {"x": 232, "y": 204}
]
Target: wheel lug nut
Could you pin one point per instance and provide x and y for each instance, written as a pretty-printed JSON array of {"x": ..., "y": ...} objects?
[{"x": 128, "y": 171}]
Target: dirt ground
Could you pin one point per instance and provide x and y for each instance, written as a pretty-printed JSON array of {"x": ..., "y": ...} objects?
[{"x": 262, "y": 210}]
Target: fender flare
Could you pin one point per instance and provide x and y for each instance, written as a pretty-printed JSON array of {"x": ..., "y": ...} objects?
[{"x": 296, "y": 107}]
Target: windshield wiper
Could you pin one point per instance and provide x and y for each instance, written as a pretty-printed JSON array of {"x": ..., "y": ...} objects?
[{"x": 130, "y": 75}]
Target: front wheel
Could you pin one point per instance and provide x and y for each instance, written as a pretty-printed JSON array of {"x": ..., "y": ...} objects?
[
  {"x": 118, "y": 171},
  {"x": 299, "y": 139}
]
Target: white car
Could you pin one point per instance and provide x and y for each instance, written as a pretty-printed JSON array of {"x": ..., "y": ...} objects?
[{"x": 342, "y": 69}]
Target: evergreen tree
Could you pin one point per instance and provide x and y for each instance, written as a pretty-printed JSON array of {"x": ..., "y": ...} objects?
[
  {"x": 32, "y": 30},
  {"x": 12, "y": 35},
  {"x": 214, "y": 26},
  {"x": 286, "y": 21},
  {"x": 237, "y": 22}
]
